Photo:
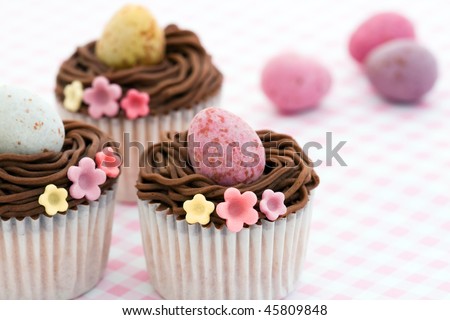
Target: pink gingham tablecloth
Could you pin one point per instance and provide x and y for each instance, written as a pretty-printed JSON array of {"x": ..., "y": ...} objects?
[{"x": 381, "y": 224}]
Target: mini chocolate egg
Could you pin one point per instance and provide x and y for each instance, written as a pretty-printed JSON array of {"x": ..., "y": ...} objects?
[
  {"x": 295, "y": 83},
  {"x": 379, "y": 29},
  {"x": 132, "y": 37},
  {"x": 28, "y": 124},
  {"x": 402, "y": 70},
  {"x": 225, "y": 148}
]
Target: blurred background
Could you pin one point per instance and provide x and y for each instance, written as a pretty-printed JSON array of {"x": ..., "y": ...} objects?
[{"x": 381, "y": 225}]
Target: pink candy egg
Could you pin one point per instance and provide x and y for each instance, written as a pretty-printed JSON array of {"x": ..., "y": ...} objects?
[
  {"x": 295, "y": 83},
  {"x": 377, "y": 30},
  {"x": 225, "y": 148}
]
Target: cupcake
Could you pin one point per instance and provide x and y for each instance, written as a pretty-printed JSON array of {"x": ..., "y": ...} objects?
[
  {"x": 225, "y": 211},
  {"x": 57, "y": 190},
  {"x": 137, "y": 81}
]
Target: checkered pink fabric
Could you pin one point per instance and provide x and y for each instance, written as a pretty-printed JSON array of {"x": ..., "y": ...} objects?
[{"x": 381, "y": 225}]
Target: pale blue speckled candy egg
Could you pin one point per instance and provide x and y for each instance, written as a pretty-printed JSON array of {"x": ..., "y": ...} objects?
[{"x": 28, "y": 124}]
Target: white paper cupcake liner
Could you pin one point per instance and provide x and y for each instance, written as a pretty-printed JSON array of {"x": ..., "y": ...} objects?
[
  {"x": 192, "y": 262},
  {"x": 56, "y": 258},
  {"x": 143, "y": 130}
]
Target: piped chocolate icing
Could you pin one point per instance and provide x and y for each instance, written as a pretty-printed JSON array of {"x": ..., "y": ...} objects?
[
  {"x": 169, "y": 179},
  {"x": 23, "y": 178},
  {"x": 183, "y": 79}
]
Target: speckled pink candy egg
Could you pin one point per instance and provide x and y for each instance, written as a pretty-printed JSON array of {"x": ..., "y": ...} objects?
[
  {"x": 225, "y": 148},
  {"x": 295, "y": 83},
  {"x": 379, "y": 29},
  {"x": 402, "y": 70}
]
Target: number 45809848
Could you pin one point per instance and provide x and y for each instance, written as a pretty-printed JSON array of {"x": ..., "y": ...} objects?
[{"x": 291, "y": 310}]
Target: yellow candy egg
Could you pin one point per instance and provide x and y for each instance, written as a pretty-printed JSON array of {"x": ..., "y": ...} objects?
[{"x": 132, "y": 37}]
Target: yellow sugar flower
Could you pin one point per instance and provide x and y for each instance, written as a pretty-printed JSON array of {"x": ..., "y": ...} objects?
[
  {"x": 73, "y": 95},
  {"x": 54, "y": 200},
  {"x": 198, "y": 210}
]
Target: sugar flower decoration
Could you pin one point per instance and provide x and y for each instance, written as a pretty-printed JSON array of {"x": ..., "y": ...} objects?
[
  {"x": 86, "y": 180},
  {"x": 198, "y": 210},
  {"x": 73, "y": 95},
  {"x": 54, "y": 200},
  {"x": 135, "y": 104},
  {"x": 108, "y": 162},
  {"x": 272, "y": 204},
  {"x": 102, "y": 98},
  {"x": 238, "y": 209}
]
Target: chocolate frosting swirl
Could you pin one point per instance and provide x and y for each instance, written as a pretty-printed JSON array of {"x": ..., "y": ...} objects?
[
  {"x": 183, "y": 79},
  {"x": 169, "y": 179},
  {"x": 23, "y": 178}
]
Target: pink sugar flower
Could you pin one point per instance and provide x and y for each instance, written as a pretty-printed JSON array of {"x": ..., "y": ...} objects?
[
  {"x": 108, "y": 162},
  {"x": 238, "y": 209},
  {"x": 272, "y": 204},
  {"x": 135, "y": 104},
  {"x": 86, "y": 180},
  {"x": 102, "y": 98}
]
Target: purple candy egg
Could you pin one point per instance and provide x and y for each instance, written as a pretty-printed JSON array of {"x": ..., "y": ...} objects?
[
  {"x": 402, "y": 70},
  {"x": 225, "y": 148}
]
